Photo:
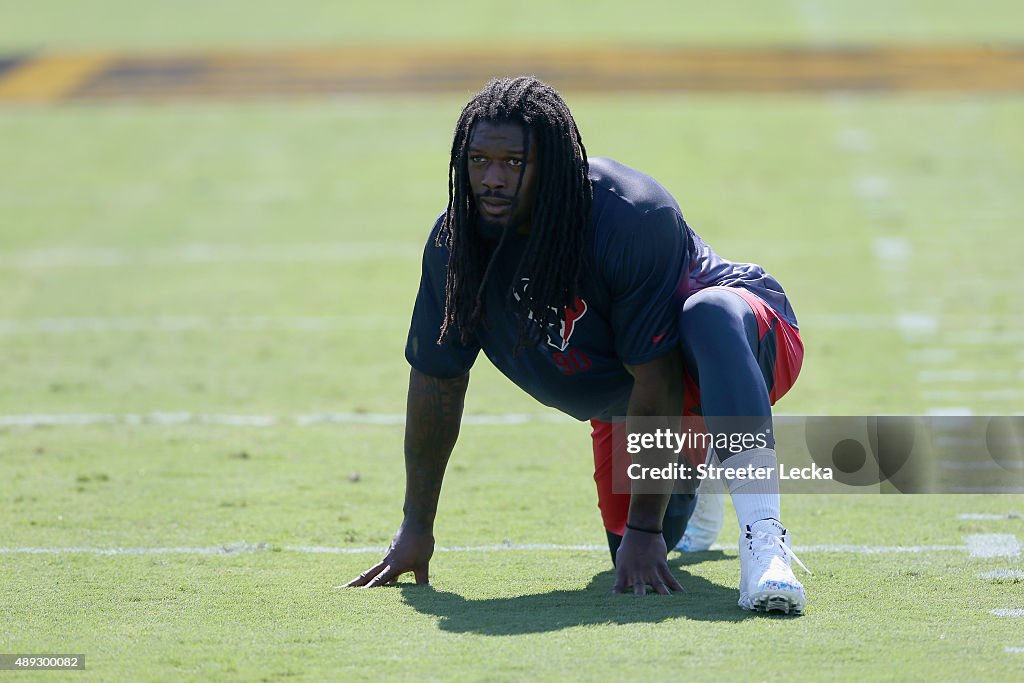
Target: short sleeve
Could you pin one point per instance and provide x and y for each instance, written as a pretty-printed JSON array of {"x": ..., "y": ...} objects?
[
  {"x": 646, "y": 269},
  {"x": 451, "y": 359}
]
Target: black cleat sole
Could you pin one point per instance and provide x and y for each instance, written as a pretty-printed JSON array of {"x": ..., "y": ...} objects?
[{"x": 778, "y": 602}]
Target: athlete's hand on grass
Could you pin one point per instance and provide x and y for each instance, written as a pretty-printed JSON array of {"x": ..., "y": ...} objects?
[
  {"x": 409, "y": 552},
  {"x": 642, "y": 561}
]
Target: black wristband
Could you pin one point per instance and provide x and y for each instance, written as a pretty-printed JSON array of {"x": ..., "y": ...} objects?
[{"x": 640, "y": 528}]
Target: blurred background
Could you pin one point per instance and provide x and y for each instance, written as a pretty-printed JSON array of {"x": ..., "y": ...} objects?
[{"x": 219, "y": 206}]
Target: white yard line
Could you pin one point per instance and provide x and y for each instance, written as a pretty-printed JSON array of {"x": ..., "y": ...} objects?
[
  {"x": 109, "y": 257},
  {"x": 934, "y": 356},
  {"x": 1002, "y": 574},
  {"x": 189, "y": 323},
  {"x": 227, "y": 549},
  {"x": 976, "y": 515},
  {"x": 996, "y": 376},
  {"x": 994, "y": 395},
  {"x": 160, "y": 418},
  {"x": 174, "y": 418},
  {"x": 1008, "y": 612},
  {"x": 992, "y": 545},
  {"x": 908, "y": 323},
  {"x": 950, "y": 411},
  {"x": 879, "y": 550},
  {"x": 450, "y": 549},
  {"x": 243, "y": 547},
  {"x": 917, "y": 324},
  {"x": 921, "y": 323}
]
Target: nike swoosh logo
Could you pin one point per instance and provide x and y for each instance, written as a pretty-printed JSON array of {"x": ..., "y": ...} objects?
[{"x": 659, "y": 337}]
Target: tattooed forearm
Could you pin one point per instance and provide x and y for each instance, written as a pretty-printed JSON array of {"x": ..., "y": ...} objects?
[{"x": 433, "y": 417}]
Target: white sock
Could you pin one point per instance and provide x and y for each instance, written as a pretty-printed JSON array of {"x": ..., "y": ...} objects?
[
  {"x": 711, "y": 486},
  {"x": 755, "y": 499}
]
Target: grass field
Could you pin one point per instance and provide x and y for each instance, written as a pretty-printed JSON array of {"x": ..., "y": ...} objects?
[
  {"x": 191, "y": 23},
  {"x": 203, "y": 317}
]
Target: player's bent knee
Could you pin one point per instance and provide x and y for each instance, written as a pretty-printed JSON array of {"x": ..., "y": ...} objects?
[
  {"x": 711, "y": 314},
  {"x": 716, "y": 306}
]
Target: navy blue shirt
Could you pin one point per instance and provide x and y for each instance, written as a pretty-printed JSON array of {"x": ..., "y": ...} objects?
[{"x": 643, "y": 262}]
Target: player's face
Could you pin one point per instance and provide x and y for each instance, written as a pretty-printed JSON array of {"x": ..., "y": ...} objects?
[{"x": 496, "y": 156}]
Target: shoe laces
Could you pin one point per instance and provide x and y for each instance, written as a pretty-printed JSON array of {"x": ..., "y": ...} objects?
[{"x": 766, "y": 544}]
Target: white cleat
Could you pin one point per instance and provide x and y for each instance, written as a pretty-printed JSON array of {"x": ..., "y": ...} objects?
[
  {"x": 706, "y": 521},
  {"x": 767, "y": 583}
]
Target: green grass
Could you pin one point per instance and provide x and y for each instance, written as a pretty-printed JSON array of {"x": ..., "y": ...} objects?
[
  {"x": 275, "y": 614},
  {"x": 192, "y": 23},
  {"x": 357, "y": 176},
  {"x": 146, "y": 180},
  {"x": 318, "y": 209},
  {"x": 268, "y": 617}
]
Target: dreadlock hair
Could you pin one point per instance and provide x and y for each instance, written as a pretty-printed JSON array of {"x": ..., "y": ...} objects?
[{"x": 553, "y": 259}]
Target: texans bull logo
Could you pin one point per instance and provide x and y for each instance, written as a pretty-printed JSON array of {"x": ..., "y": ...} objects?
[{"x": 559, "y": 339}]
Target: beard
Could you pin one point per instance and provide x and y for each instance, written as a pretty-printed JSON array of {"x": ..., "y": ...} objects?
[{"x": 490, "y": 229}]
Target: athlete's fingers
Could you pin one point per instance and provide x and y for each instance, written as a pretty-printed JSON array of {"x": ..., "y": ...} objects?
[
  {"x": 389, "y": 573},
  {"x": 671, "y": 581},
  {"x": 366, "y": 576},
  {"x": 620, "y": 584},
  {"x": 639, "y": 587},
  {"x": 422, "y": 573},
  {"x": 661, "y": 588}
]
